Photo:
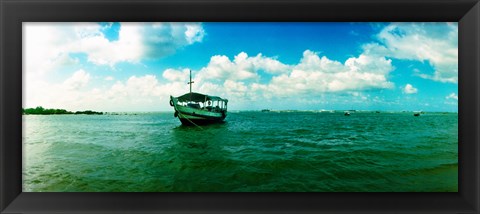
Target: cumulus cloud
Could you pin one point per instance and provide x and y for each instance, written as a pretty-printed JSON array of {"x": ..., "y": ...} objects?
[
  {"x": 194, "y": 33},
  {"x": 174, "y": 75},
  {"x": 242, "y": 77},
  {"x": 242, "y": 67},
  {"x": 320, "y": 74},
  {"x": 409, "y": 89},
  {"x": 56, "y": 47},
  {"x": 45, "y": 46},
  {"x": 135, "y": 93},
  {"x": 314, "y": 74},
  {"x": 161, "y": 39},
  {"x": 50, "y": 44},
  {"x": 79, "y": 79},
  {"x": 71, "y": 91},
  {"x": 435, "y": 43},
  {"x": 137, "y": 87},
  {"x": 236, "y": 89}
]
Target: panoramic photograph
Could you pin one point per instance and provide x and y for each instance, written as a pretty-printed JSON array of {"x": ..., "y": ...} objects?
[{"x": 240, "y": 107}]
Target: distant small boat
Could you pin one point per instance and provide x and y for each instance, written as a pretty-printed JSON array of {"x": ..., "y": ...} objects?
[
  {"x": 346, "y": 113},
  {"x": 265, "y": 110},
  {"x": 416, "y": 114},
  {"x": 199, "y": 109}
]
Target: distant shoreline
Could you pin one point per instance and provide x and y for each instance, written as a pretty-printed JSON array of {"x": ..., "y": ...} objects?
[
  {"x": 43, "y": 111},
  {"x": 244, "y": 111}
]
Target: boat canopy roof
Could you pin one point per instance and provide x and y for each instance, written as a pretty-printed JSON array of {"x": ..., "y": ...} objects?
[{"x": 197, "y": 97}]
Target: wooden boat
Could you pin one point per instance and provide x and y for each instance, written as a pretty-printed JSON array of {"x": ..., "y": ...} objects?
[{"x": 199, "y": 109}]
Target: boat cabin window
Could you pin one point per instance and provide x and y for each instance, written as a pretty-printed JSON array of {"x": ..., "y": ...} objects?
[
  {"x": 209, "y": 105},
  {"x": 214, "y": 106},
  {"x": 193, "y": 105}
]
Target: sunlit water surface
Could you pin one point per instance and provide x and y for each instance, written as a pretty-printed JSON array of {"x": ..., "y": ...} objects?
[{"x": 251, "y": 151}]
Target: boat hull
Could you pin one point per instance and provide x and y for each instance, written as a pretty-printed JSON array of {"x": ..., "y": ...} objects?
[
  {"x": 198, "y": 119},
  {"x": 194, "y": 116},
  {"x": 192, "y": 122}
]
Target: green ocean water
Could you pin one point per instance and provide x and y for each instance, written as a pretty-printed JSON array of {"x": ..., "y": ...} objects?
[{"x": 250, "y": 152}]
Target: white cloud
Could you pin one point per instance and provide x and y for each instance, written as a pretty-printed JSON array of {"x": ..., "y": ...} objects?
[
  {"x": 436, "y": 43},
  {"x": 241, "y": 78},
  {"x": 52, "y": 47},
  {"x": 316, "y": 74},
  {"x": 70, "y": 92},
  {"x": 238, "y": 79},
  {"x": 452, "y": 96},
  {"x": 176, "y": 75},
  {"x": 313, "y": 74},
  {"x": 311, "y": 62},
  {"x": 45, "y": 47},
  {"x": 79, "y": 79},
  {"x": 236, "y": 89},
  {"x": 194, "y": 33},
  {"x": 101, "y": 51},
  {"x": 142, "y": 86},
  {"x": 409, "y": 89},
  {"x": 161, "y": 39},
  {"x": 242, "y": 67},
  {"x": 49, "y": 44},
  {"x": 138, "y": 93}
]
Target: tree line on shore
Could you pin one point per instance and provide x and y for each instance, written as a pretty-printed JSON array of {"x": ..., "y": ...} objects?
[{"x": 41, "y": 110}]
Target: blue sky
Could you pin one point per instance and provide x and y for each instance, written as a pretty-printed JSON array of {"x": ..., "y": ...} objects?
[{"x": 304, "y": 66}]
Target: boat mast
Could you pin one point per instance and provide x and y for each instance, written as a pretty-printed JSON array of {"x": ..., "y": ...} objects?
[{"x": 190, "y": 83}]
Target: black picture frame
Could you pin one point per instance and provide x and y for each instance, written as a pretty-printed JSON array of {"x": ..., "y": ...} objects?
[{"x": 14, "y": 12}]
